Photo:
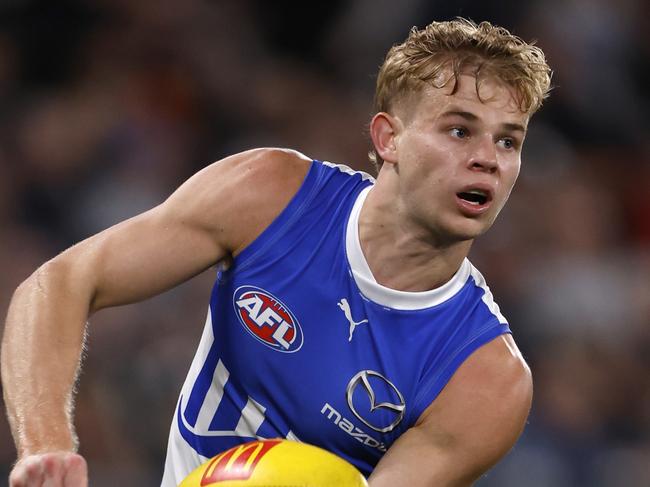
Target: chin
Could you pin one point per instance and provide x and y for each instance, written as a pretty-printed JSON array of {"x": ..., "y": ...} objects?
[
  {"x": 469, "y": 229},
  {"x": 454, "y": 228}
]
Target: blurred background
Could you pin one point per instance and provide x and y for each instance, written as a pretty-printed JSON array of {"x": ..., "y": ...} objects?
[{"x": 107, "y": 105}]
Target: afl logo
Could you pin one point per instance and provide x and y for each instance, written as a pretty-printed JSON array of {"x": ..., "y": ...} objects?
[{"x": 267, "y": 319}]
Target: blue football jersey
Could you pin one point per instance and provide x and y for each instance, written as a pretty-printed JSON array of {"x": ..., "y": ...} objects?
[{"x": 301, "y": 342}]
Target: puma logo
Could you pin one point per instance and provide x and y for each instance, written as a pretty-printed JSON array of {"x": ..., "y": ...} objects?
[{"x": 345, "y": 307}]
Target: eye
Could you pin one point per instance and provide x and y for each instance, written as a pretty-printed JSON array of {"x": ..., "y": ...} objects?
[
  {"x": 459, "y": 132},
  {"x": 508, "y": 143}
]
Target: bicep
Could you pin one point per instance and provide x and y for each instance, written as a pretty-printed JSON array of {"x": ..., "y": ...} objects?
[
  {"x": 472, "y": 424},
  {"x": 207, "y": 219},
  {"x": 139, "y": 257}
]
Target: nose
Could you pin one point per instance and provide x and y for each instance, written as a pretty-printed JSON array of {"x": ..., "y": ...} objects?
[{"x": 484, "y": 155}]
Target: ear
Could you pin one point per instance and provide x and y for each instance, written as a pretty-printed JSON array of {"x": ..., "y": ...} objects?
[{"x": 383, "y": 130}]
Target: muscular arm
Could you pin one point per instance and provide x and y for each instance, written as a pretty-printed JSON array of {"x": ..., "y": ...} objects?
[
  {"x": 212, "y": 216},
  {"x": 472, "y": 424}
]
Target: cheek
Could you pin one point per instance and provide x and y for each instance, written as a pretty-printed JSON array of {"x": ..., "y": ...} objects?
[
  {"x": 434, "y": 156},
  {"x": 515, "y": 171},
  {"x": 510, "y": 176},
  {"x": 422, "y": 142},
  {"x": 510, "y": 171}
]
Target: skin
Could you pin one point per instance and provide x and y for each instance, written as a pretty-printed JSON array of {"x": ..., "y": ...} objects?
[
  {"x": 410, "y": 218},
  {"x": 431, "y": 151},
  {"x": 199, "y": 226}
]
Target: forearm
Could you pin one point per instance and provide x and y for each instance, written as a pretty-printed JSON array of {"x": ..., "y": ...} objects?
[{"x": 41, "y": 350}]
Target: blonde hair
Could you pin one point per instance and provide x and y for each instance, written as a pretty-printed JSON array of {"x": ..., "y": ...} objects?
[{"x": 485, "y": 49}]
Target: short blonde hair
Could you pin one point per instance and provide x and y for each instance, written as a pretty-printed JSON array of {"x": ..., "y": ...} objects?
[{"x": 485, "y": 50}]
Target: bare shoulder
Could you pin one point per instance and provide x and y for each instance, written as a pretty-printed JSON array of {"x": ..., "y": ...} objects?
[
  {"x": 495, "y": 378},
  {"x": 207, "y": 220},
  {"x": 471, "y": 425},
  {"x": 263, "y": 167},
  {"x": 483, "y": 409},
  {"x": 236, "y": 198}
]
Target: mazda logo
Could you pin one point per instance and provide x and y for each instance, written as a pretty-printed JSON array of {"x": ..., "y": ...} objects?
[{"x": 361, "y": 380}]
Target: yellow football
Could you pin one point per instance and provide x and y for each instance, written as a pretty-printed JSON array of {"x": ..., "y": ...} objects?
[{"x": 275, "y": 463}]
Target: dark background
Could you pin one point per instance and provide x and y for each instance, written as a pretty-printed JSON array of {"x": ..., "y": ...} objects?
[{"x": 106, "y": 106}]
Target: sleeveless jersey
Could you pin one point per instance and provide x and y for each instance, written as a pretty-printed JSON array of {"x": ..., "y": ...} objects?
[{"x": 301, "y": 342}]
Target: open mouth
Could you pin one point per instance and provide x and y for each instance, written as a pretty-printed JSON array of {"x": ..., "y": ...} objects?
[{"x": 474, "y": 196}]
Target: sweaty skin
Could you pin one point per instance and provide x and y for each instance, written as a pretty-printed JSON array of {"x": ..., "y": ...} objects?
[
  {"x": 414, "y": 234},
  {"x": 448, "y": 142}
]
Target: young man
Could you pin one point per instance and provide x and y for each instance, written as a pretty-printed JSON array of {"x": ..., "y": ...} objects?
[{"x": 345, "y": 313}]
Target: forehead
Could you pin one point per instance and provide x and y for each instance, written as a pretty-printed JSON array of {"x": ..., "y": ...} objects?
[{"x": 488, "y": 97}]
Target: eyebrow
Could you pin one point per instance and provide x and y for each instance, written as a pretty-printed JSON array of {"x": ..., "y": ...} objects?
[{"x": 470, "y": 117}]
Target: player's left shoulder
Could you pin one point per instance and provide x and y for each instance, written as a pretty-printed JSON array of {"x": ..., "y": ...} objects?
[
  {"x": 469, "y": 427},
  {"x": 501, "y": 369},
  {"x": 484, "y": 407},
  {"x": 494, "y": 380}
]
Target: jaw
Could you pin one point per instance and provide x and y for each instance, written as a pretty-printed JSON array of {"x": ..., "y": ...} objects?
[
  {"x": 445, "y": 222},
  {"x": 438, "y": 221},
  {"x": 453, "y": 227}
]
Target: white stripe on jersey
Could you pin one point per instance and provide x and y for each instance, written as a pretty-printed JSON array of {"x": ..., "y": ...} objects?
[
  {"x": 252, "y": 417},
  {"x": 348, "y": 170},
  {"x": 212, "y": 398},
  {"x": 487, "y": 298}
]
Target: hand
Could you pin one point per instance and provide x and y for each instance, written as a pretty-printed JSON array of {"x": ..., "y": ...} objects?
[{"x": 53, "y": 469}]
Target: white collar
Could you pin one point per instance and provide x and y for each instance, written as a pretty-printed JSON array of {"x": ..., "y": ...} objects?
[{"x": 383, "y": 295}]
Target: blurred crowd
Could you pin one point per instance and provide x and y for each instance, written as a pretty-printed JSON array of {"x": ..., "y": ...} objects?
[{"x": 107, "y": 105}]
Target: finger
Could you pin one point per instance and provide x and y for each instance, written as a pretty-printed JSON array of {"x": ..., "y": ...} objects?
[
  {"x": 76, "y": 472},
  {"x": 18, "y": 478},
  {"x": 52, "y": 471},
  {"x": 26, "y": 473},
  {"x": 34, "y": 470}
]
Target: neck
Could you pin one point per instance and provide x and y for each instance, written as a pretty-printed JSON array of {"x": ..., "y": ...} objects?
[{"x": 401, "y": 254}]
